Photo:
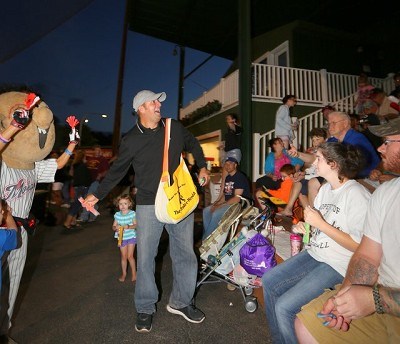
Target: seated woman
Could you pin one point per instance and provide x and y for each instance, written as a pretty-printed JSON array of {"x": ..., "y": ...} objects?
[
  {"x": 337, "y": 224},
  {"x": 275, "y": 160}
]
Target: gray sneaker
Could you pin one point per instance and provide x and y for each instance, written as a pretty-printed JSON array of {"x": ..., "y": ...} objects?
[
  {"x": 190, "y": 313},
  {"x": 143, "y": 322}
]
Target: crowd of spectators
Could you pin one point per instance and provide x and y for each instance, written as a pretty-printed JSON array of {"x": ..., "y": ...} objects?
[{"x": 361, "y": 149}]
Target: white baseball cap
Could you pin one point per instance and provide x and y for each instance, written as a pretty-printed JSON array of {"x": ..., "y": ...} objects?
[{"x": 147, "y": 96}]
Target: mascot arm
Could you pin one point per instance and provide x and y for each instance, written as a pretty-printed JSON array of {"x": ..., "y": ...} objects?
[
  {"x": 73, "y": 141},
  {"x": 63, "y": 158},
  {"x": 6, "y": 135}
]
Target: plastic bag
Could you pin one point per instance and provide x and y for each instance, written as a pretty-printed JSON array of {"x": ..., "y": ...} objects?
[{"x": 257, "y": 255}]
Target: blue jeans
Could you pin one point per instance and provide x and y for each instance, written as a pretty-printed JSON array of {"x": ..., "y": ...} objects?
[
  {"x": 65, "y": 191},
  {"x": 87, "y": 215},
  {"x": 211, "y": 219},
  {"x": 291, "y": 285},
  {"x": 184, "y": 262}
]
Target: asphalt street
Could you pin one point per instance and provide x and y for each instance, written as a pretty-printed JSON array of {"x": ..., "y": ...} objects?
[{"x": 70, "y": 293}]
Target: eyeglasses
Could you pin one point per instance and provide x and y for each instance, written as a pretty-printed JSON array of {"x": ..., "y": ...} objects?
[
  {"x": 386, "y": 142},
  {"x": 334, "y": 123}
]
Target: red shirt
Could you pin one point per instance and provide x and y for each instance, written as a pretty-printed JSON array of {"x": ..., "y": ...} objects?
[{"x": 98, "y": 166}]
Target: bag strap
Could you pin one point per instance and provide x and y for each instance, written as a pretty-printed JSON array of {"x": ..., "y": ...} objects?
[{"x": 166, "y": 143}]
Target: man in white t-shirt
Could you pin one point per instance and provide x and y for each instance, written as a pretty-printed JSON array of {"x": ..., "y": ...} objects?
[{"x": 366, "y": 307}]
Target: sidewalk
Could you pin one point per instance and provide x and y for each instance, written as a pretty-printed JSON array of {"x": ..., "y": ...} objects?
[{"x": 70, "y": 293}]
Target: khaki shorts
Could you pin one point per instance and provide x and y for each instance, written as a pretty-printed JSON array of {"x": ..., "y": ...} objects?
[{"x": 375, "y": 328}]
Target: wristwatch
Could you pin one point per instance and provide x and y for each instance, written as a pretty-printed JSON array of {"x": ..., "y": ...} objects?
[{"x": 377, "y": 299}]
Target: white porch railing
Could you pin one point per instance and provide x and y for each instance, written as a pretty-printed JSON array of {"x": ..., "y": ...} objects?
[
  {"x": 226, "y": 91},
  {"x": 274, "y": 82}
]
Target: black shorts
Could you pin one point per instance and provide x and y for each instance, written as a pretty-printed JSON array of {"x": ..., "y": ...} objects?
[
  {"x": 304, "y": 185},
  {"x": 268, "y": 183}
]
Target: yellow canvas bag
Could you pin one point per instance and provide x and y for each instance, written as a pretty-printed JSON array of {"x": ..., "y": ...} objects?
[{"x": 176, "y": 200}]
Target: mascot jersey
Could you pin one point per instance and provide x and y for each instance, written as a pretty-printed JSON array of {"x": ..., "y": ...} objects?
[{"x": 17, "y": 186}]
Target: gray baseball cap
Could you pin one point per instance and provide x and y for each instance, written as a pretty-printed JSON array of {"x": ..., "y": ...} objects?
[
  {"x": 387, "y": 129},
  {"x": 147, "y": 96}
]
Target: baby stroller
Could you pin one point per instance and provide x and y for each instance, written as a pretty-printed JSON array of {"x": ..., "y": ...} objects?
[{"x": 220, "y": 250}]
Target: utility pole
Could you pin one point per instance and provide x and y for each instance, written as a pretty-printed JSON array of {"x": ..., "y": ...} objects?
[
  {"x": 118, "y": 100},
  {"x": 181, "y": 79}
]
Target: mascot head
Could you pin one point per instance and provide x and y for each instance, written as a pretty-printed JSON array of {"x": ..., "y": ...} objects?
[{"x": 36, "y": 140}]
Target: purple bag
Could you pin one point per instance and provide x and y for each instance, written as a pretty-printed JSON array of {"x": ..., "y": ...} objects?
[{"x": 257, "y": 255}]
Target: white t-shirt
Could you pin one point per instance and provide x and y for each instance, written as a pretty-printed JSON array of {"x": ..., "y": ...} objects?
[
  {"x": 344, "y": 208},
  {"x": 382, "y": 224}
]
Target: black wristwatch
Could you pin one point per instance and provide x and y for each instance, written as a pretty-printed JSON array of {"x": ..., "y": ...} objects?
[{"x": 377, "y": 299}]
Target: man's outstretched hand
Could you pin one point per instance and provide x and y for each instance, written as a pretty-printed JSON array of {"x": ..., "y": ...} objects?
[{"x": 89, "y": 202}]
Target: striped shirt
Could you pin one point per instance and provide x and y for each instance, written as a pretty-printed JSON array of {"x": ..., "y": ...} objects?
[
  {"x": 17, "y": 186},
  {"x": 123, "y": 220}
]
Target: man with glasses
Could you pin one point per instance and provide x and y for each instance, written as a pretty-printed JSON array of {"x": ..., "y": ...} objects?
[
  {"x": 340, "y": 131},
  {"x": 340, "y": 128}
]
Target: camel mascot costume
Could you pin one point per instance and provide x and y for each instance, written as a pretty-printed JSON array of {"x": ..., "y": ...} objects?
[{"x": 27, "y": 136}]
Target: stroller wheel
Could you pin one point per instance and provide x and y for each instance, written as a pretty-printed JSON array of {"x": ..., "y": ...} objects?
[
  {"x": 248, "y": 291},
  {"x": 250, "y": 304}
]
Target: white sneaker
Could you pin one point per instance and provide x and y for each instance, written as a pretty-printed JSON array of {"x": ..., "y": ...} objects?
[{"x": 65, "y": 205}]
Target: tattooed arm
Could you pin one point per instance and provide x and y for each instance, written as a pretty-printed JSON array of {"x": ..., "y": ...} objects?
[
  {"x": 355, "y": 299},
  {"x": 363, "y": 269},
  {"x": 363, "y": 266}
]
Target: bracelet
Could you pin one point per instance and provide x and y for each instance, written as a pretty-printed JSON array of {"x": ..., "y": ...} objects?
[
  {"x": 67, "y": 151},
  {"x": 3, "y": 139},
  {"x": 377, "y": 299}
]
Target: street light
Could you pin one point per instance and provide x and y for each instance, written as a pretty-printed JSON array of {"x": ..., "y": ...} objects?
[{"x": 84, "y": 119}]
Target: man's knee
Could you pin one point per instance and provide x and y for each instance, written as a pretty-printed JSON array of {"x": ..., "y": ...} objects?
[{"x": 302, "y": 334}]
